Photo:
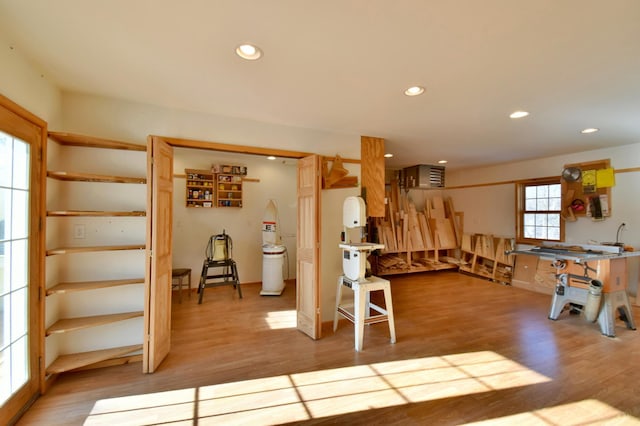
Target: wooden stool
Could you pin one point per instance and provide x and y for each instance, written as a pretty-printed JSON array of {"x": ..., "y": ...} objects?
[
  {"x": 179, "y": 275},
  {"x": 362, "y": 306}
]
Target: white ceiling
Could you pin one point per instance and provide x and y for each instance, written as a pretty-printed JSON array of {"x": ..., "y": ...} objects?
[{"x": 343, "y": 65}]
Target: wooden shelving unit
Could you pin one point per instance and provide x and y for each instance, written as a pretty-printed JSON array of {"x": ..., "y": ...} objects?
[
  {"x": 112, "y": 355},
  {"x": 228, "y": 190},
  {"x": 416, "y": 241},
  {"x": 200, "y": 188},
  {"x": 484, "y": 256}
]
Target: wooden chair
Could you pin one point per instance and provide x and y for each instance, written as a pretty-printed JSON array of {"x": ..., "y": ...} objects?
[{"x": 177, "y": 280}]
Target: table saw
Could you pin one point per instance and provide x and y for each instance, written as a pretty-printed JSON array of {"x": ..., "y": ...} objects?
[{"x": 591, "y": 279}]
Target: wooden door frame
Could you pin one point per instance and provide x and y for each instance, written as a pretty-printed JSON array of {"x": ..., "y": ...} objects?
[
  {"x": 214, "y": 146},
  {"x": 37, "y": 240}
]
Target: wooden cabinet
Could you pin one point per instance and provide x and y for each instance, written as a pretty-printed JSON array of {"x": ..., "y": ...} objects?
[
  {"x": 534, "y": 273},
  {"x": 56, "y": 306},
  {"x": 228, "y": 190},
  {"x": 484, "y": 256},
  {"x": 200, "y": 188}
]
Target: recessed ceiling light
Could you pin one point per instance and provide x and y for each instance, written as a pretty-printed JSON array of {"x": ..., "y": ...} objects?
[
  {"x": 414, "y": 91},
  {"x": 519, "y": 114},
  {"x": 271, "y": 157},
  {"x": 442, "y": 162},
  {"x": 248, "y": 52},
  {"x": 589, "y": 130},
  {"x": 388, "y": 155}
]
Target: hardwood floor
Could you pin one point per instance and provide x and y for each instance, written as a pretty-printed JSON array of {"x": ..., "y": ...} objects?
[{"x": 468, "y": 350}]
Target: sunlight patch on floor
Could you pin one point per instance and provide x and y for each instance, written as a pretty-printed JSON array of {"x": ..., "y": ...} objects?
[
  {"x": 587, "y": 412},
  {"x": 316, "y": 394},
  {"x": 277, "y": 320}
]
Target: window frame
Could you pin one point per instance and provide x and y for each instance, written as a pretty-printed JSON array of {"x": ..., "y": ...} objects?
[{"x": 521, "y": 210}]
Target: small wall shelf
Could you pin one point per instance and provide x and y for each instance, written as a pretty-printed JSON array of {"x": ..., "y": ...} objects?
[
  {"x": 229, "y": 190},
  {"x": 200, "y": 188}
]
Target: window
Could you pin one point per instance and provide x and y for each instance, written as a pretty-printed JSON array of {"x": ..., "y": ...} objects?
[
  {"x": 539, "y": 211},
  {"x": 21, "y": 257},
  {"x": 14, "y": 215}
]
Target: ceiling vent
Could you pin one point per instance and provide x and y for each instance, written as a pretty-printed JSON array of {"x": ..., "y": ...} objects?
[{"x": 424, "y": 176}]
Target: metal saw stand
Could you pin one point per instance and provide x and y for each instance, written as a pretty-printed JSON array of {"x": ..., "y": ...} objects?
[
  {"x": 617, "y": 300},
  {"x": 228, "y": 276}
]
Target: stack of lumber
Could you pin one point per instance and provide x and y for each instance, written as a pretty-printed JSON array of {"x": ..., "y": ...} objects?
[
  {"x": 404, "y": 230},
  {"x": 485, "y": 256}
]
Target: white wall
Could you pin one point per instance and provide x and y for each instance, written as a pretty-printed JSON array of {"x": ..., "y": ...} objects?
[{"x": 25, "y": 85}]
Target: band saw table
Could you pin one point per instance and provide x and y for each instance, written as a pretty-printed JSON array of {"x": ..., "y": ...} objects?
[{"x": 582, "y": 268}]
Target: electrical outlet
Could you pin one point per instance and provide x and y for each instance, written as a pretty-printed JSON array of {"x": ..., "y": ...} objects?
[{"x": 79, "y": 231}]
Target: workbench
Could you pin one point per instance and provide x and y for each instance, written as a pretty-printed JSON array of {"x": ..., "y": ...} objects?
[{"x": 581, "y": 269}]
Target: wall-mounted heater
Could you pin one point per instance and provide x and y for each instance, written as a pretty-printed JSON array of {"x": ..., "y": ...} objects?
[{"x": 424, "y": 176}]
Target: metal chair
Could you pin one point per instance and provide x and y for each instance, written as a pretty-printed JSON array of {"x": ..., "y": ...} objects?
[{"x": 219, "y": 256}]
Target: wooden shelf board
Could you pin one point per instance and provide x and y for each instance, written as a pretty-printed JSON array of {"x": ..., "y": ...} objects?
[
  {"x": 70, "y": 324},
  {"x": 73, "y": 139},
  {"x": 69, "y": 250},
  {"x": 69, "y": 287},
  {"x": 73, "y": 361},
  {"x": 88, "y": 177},
  {"x": 94, "y": 213},
  {"x": 412, "y": 269}
]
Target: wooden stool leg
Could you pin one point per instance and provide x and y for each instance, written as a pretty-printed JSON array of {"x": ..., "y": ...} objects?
[
  {"x": 179, "y": 289},
  {"x": 189, "y": 281},
  {"x": 338, "y": 300},
  {"x": 389, "y": 307},
  {"x": 360, "y": 300}
]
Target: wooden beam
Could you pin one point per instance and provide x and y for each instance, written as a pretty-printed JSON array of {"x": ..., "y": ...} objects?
[
  {"x": 372, "y": 173},
  {"x": 240, "y": 149}
]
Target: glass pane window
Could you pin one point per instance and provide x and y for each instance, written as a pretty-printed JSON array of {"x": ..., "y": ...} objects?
[
  {"x": 14, "y": 265},
  {"x": 540, "y": 210}
]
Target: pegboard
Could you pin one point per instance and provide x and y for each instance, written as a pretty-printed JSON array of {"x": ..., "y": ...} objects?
[{"x": 584, "y": 189}]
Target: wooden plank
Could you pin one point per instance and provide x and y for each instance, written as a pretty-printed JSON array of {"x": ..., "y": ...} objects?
[
  {"x": 95, "y": 213},
  {"x": 437, "y": 210},
  {"x": 426, "y": 232},
  {"x": 69, "y": 287},
  {"x": 451, "y": 214},
  {"x": 74, "y": 139},
  {"x": 417, "y": 241},
  {"x": 69, "y": 250},
  {"x": 443, "y": 233},
  {"x": 73, "y": 361},
  {"x": 70, "y": 324},
  {"x": 89, "y": 177}
]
